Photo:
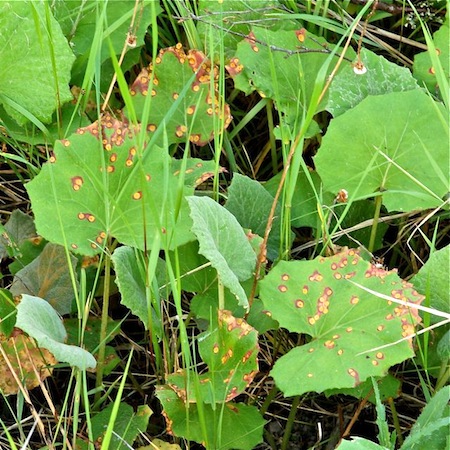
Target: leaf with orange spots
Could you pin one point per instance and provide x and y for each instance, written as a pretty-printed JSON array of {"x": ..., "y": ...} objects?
[
  {"x": 182, "y": 104},
  {"x": 231, "y": 426},
  {"x": 282, "y": 65},
  {"x": 103, "y": 182},
  {"x": 230, "y": 349},
  {"x": 128, "y": 424},
  {"x": 196, "y": 171},
  {"x": 354, "y": 331},
  {"x": 424, "y": 69},
  {"x": 223, "y": 23},
  {"x": 22, "y": 359}
]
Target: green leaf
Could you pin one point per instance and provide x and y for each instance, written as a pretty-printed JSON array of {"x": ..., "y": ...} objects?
[
  {"x": 224, "y": 23},
  {"x": 131, "y": 281},
  {"x": 325, "y": 299},
  {"x": 18, "y": 228},
  {"x": 49, "y": 276},
  {"x": 230, "y": 349},
  {"x": 183, "y": 105},
  {"x": 423, "y": 67},
  {"x": 117, "y": 20},
  {"x": 231, "y": 426},
  {"x": 29, "y": 250},
  {"x": 36, "y": 317},
  {"x": 127, "y": 426},
  {"x": 443, "y": 347},
  {"x": 224, "y": 243},
  {"x": 431, "y": 428},
  {"x": 359, "y": 443},
  {"x": 359, "y": 212},
  {"x": 250, "y": 203},
  {"x": 29, "y": 46},
  {"x": 260, "y": 319},
  {"x": 205, "y": 304},
  {"x": 398, "y": 149},
  {"x": 190, "y": 260},
  {"x": 91, "y": 338},
  {"x": 433, "y": 280},
  {"x": 281, "y": 65},
  {"x": 389, "y": 387},
  {"x": 304, "y": 202},
  {"x": 93, "y": 188},
  {"x": 349, "y": 88},
  {"x": 7, "y": 313}
]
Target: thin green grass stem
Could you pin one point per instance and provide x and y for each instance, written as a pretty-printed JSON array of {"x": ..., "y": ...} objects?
[
  {"x": 8, "y": 436},
  {"x": 81, "y": 390},
  {"x": 396, "y": 421},
  {"x": 290, "y": 422},
  {"x": 103, "y": 328},
  {"x": 376, "y": 217},
  {"x": 268, "y": 400},
  {"x": 117, "y": 402}
]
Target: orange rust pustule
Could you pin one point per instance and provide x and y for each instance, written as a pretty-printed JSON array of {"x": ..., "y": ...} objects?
[
  {"x": 234, "y": 67},
  {"x": 301, "y": 35},
  {"x": 251, "y": 39},
  {"x": 110, "y": 130}
]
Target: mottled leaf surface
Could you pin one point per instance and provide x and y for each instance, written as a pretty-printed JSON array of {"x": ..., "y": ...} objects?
[
  {"x": 231, "y": 426},
  {"x": 346, "y": 323},
  {"x": 24, "y": 358},
  {"x": 101, "y": 182},
  {"x": 229, "y": 348},
  {"x": 185, "y": 102}
]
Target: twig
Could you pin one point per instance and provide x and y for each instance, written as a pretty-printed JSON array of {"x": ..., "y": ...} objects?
[{"x": 271, "y": 47}]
